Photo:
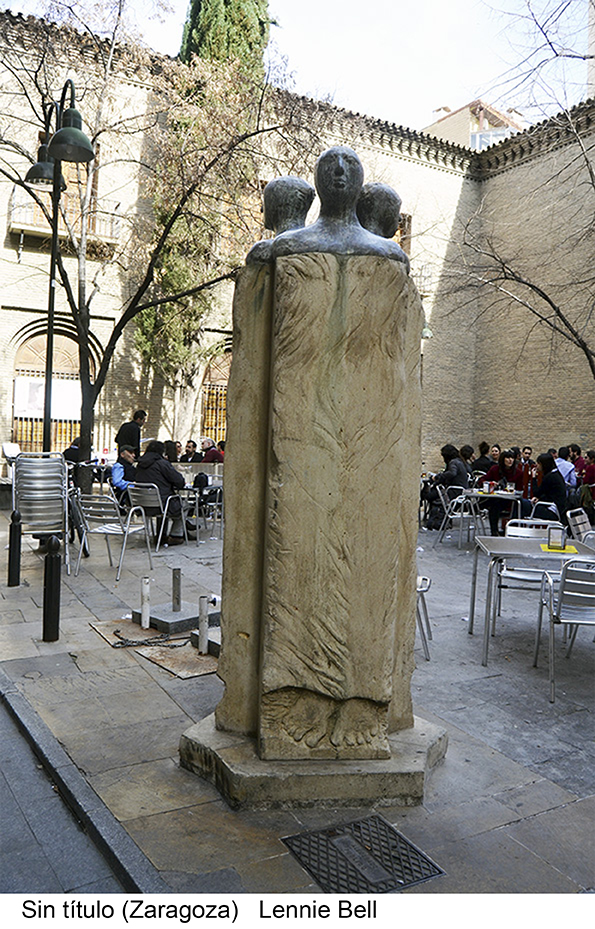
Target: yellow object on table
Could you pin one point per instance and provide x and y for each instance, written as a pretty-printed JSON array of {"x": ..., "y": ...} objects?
[{"x": 568, "y": 549}]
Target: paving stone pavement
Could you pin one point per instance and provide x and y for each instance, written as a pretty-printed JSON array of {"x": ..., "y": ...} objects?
[
  {"x": 510, "y": 810},
  {"x": 44, "y": 848}
]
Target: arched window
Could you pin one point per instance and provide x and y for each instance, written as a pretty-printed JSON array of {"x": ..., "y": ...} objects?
[{"x": 29, "y": 388}]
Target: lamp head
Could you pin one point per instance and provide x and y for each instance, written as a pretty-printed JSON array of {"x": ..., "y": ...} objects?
[
  {"x": 70, "y": 143},
  {"x": 42, "y": 172}
]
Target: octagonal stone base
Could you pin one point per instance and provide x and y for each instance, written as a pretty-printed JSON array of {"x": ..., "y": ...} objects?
[{"x": 230, "y": 762}]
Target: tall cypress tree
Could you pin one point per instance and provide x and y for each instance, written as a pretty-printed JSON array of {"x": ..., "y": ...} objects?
[{"x": 221, "y": 29}]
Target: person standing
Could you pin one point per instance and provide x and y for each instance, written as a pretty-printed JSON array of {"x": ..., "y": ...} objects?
[
  {"x": 565, "y": 467},
  {"x": 576, "y": 458},
  {"x": 129, "y": 433}
]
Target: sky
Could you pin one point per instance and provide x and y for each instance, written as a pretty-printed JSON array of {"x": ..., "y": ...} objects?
[{"x": 392, "y": 59}]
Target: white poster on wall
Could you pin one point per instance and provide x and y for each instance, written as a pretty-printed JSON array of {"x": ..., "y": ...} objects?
[{"x": 29, "y": 398}]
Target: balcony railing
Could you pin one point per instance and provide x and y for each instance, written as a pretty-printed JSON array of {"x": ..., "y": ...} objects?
[{"x": 25, "y": 215}]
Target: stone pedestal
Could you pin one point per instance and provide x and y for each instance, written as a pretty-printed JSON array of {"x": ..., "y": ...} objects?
[{"x": 230, "y": 762}]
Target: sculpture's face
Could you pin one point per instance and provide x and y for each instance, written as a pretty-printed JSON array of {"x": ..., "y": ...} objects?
[{"x": 339, "y": 176}]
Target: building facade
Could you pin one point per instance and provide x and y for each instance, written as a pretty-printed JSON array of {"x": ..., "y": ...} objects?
[{"x": 492, "y": 369}]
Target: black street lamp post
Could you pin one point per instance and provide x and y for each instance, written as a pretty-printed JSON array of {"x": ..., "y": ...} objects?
[{"x": 68, "y": 143}]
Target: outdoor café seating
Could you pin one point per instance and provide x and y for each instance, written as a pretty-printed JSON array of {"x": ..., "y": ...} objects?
[
  {"x": 580, "y": 526},
  {"x": 422, "y": 616},
  {"x": 101, "y": 515},
  {"x": 459, "y": 508},
  {"x": 514, "y": 576},
  {"x": 571, "y": 607},
  {"x": 147, "y": 498},
  {"x": 40, "y": 494}
]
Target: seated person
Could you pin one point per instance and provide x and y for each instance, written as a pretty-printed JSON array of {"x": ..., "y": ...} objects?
[
  {"x": 503, "y": 473},
  {"x": 484, "y": 462},
  {"x": 71, "y": 454},
  {"x": 467, "y": 454},
  {"x": 171, "y": 451},
  {"x": 455, "y": 472},
  {"x": 552, "y": 488},
  {"x": 191, "y": 455},
  {"x": 123, "y": 472},
  {"x": 565, "y": 467},
  {"x": 154, "y": 468},
  {"x": 212, "y": 455}
]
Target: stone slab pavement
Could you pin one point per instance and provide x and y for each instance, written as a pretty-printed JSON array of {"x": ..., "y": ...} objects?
[{"x": 510, "y": 810}]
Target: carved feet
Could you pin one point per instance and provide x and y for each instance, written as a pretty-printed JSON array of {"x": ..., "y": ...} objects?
[{"x": 298, "y": 723}]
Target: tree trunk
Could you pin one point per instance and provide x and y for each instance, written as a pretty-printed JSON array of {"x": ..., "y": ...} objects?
[{"x": 85, "y": 477}]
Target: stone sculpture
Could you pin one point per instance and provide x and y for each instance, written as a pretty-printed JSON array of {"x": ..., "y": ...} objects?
[
  {"x": 286, "y": 203},
  {"x": 322, "y": 488},
  {"x": 338, "y": 177},
  {"x": 379, "y": 211},
  {"x": 287, "y": 200}
]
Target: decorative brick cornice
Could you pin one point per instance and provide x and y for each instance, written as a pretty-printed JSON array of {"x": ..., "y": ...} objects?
[
  {"x": 30, "y": 34},
  {"x": 408, "y": 143},
  {"x": 541, "y": 139}
]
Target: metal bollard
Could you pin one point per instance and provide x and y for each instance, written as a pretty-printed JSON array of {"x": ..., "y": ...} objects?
[
  {"x": 145, "y": 603},
  {"x": 203, "y": 625},
  {"x": 14, "y": 550},
  {"x": 51, "y": 590},
  {"x": 176, "y": 590}
]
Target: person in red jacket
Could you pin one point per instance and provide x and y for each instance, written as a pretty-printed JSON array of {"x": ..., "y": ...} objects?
[
  {"x": 504, "y": 473},
  {"x": 211, "y": 452}
]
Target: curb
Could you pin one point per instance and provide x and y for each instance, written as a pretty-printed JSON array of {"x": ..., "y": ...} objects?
[{"x": 132, "y": 868}]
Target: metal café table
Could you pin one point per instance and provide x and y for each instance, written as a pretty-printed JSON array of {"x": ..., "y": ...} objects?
[
  {"x": 509, "y": 548},
  {"x": 513, "y": 497},
  {"x": 195, "y": 494}
]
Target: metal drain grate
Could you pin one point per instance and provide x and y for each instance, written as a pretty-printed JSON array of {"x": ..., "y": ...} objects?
[{"x": 367, "y": 856}]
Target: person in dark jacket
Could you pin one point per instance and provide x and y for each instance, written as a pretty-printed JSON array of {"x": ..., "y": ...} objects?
[
  {"x": 129, "y": 433},
  {"x": 484, "y": 462},
  {"x": 455, "y": 472},
  {"x": 191, "y": 455},
  {"x": 552, "y": 488},
  {"x": 154, "y": 468}
]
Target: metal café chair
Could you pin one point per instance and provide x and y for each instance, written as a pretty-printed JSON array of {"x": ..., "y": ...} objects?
[
  {"x": 573, "y": 606},
  {"x": 101, "y": 515},
  {"x": 458, "y": 508},
  {"x": 547, "y": 511},
  {"x": 518, "y": 577},
  {"x": 40, "y": 494},
  {"x": 148, "y": 498},
  {"x": 580, "y": 526},
  {"x": 213, "y": 506},
  {"x": 422, "y": 616}
]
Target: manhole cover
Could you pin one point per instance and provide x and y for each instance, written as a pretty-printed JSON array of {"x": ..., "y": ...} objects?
[{"x": 367, "y": 856}]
